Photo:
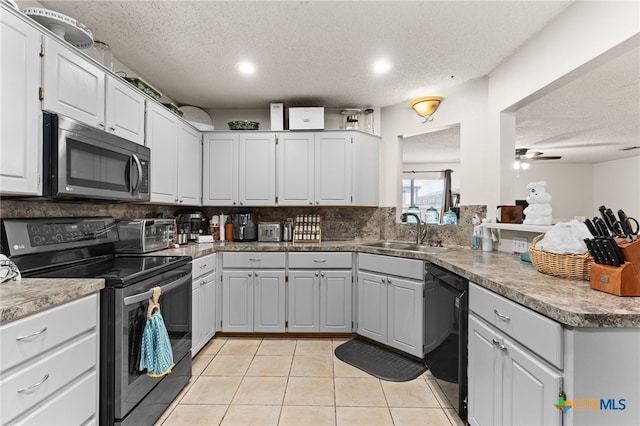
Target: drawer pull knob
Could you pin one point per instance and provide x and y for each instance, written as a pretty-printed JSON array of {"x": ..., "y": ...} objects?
[
  {"x": 316, "y": 273},
  {"x": 503, "y": 348},
  {"x": 35, "y": 385},
  {"x": 322, "y": 274},
  {"x": 203, "y": 266},
  {"x": 37, "y": 333},
  {"x": 495, "y": 342},
  {"x": 319, "y": 261},
  {"x": 502, "y": 317}
]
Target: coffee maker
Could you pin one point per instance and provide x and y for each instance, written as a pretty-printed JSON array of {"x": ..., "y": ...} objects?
[
  {"x": 245, "y": 227},
  {"x": 193, "y": 224}
]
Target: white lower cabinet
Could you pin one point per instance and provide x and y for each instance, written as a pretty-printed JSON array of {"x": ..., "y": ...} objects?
[
  {"x": 204, "y": 302},
  {"x": 511, "y": 349},
  {"x": 49, "y": 366},
  {"x": 253, "y": 292},
  {"x": 391, "y": 306},
  {"x": 320, "y": 297}
]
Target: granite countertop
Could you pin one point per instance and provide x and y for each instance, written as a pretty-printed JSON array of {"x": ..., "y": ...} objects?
[
  {"x": 570, "y": 302},
  {"x": 28, "y": 296}
]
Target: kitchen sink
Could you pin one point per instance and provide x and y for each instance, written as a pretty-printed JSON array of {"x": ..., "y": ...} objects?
[{"x": 408, "y": 246}]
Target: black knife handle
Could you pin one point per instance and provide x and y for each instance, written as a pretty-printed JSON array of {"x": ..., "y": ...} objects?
[
  {"x": 608, "y": 244},
  {"x": 601, "y": 227},
  {"x": 607, "y": 260},
  {"x": 594, "y": 253},
  {"x": 591, "y": 227}
]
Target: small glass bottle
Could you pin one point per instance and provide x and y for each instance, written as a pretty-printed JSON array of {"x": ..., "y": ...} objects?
[
  {"x": 431, "y": 216},
  {"x": 368, "y": 120}
]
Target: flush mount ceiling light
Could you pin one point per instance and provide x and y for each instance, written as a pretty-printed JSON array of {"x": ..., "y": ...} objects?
[
  {"x": 246, "y": 67},
  {"x": 426, "y": 106},
  {"x": 381, "y": 66}
]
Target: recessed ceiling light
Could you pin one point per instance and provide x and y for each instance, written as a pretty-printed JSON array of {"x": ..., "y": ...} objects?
[
  {"x": 246, "y": 67},
  {"x": 381, "y": 66}
]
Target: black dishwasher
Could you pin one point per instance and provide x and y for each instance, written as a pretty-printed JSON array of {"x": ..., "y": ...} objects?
[{"x": 445, "y": 329}]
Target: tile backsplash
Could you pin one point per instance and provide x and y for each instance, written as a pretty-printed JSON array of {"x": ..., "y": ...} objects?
[{"x": 338, "y": 223}]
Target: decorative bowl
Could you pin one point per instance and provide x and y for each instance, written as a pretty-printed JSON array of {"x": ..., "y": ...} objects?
[
  {"x": 144, "y": 87},
  {"x": 243, "y": 125},
  {"x": 174, "y": 109}
]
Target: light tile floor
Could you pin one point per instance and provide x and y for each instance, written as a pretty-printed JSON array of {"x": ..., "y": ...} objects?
[{"x": 273, "y": 381}]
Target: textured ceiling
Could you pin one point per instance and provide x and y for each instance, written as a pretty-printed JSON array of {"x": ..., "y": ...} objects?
[{"x": 320, "y": 53}]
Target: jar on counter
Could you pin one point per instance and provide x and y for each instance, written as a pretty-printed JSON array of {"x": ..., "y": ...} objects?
[{"x": 431, "y": 216}]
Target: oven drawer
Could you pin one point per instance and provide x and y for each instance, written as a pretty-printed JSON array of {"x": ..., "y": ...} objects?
[
  {"x": 47, "y": 376},
  {"x": 33, "y": 335},
  {"x": 320, "y": 260},
  {"x": 538, "y": 333},
  {"x": 203, "y": 265},
  {"x": 253, "y": 260}
]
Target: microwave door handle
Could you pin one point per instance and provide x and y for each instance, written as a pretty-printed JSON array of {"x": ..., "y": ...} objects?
[{"x": 139, "y": 167}]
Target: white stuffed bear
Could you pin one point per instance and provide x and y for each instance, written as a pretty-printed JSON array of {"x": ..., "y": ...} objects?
[{"x": 539, "y": 210}]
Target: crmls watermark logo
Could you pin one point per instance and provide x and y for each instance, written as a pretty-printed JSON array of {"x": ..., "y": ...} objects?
[{"x": 588, "y": 404}]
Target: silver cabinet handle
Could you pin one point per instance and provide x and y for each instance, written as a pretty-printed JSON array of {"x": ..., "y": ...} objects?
[
  {"x": 101, "y": 124},
  {"x": 255, "y": 273},
  {"x": 112, "y": 128},
  {"x": 37, "y": 333},
  {"x": 495, "y": 342},
  {"x": 501, "y": 316},
  {"x": 35, "y": 385},
  {"x": 316, "y": 274},
  {"x": 322, "y": 274},
  {"x": 320, "y": 261},
  {"x": 503, "y": 348},
  {"x": 253, "y": 259},
  {"x": 234, "y": 203},
  {"x": 249, "y": 274},
  {"x": 203, "y": 266}
]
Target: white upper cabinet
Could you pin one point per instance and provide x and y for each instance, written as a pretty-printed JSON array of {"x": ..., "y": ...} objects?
[
  {"x": 333, "y": 168},
  {"x": 73, "y": 86},
  {"x": 175, "y": 158},
  {"x": 296, "y": 168},
  {"x": 124, "y": 110},
  {"x": 21, "y": 118},
  {"x": 366, "y": 170},
  {"x": 80, "y": 89},
  {"x": 239, "y": 169}
]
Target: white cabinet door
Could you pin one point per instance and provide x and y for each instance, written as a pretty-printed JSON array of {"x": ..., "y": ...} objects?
[
  {"x": 237, "y": 300},
  {"x": 295, "y": 168},
  {"x": 162, "y": 138},
  {"x": 528, "y": 387},
  {"x": 333, "y": 168},
  {"x": 202, "y": 312},
  {"x": 366, "y": 170},
  {"x": 257, "y": 169},
  {"x": 189, "y": 165},
  {"x": 405, "y": 315},
  {"x": 124, "y": 110},
  {"x": 485, "y": 375},
  {"x": 269, "y": 301},
  {"x": 372, "y": 306},
  {"x": 21, "y": 118},
  {"x": 304, "y": 301},
  {"x": 208, "y": 307},
  {"x": 196, "y": 321},
  {"x": 220, "y": 169},
  {"x": 335, "y": 301},
  {"x": 73, "y": 86}
]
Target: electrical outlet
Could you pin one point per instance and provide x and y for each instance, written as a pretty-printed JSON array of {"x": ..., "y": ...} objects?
[{"x": 520, "y": 245}]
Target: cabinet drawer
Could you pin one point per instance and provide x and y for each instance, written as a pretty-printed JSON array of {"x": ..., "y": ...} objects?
[
  {"x": 74, "y": 405},
  {"x": 320, "y": 260},
  {"x": 200, "y": 281},
  {"x": 53, "y": 372},
  {"x": 203, "y": 265},
  {"x": 253, "y": 260},
  {"x": 389, "y": 265},
  {"x": 538, "y": 333},
  {"x": 33, "y": 335}
]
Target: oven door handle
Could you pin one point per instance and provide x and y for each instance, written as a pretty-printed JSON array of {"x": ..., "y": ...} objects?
[{"x": 130, "y": 300}]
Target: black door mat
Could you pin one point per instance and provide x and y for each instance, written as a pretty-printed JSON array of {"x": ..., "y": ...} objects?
[{"x": 379, "y": 362}]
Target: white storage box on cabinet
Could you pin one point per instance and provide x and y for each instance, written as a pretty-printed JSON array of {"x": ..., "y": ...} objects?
[
  {"x": 204, "y": 301},
  {"x": 49, "y": 364},
  {"x": 253, "y": 292},
  {"x": 319, "y": 292},
  {"x": 307, "y": 118}
]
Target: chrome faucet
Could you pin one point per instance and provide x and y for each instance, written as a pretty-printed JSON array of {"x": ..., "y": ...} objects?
[{"x": 422, "y": 230}]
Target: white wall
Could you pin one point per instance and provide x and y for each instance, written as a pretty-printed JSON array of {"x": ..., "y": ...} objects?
[
  {"x": 617, "y": 186},
  {"x": 569, "y": 185},
  {"x": 464, "y": 105}
]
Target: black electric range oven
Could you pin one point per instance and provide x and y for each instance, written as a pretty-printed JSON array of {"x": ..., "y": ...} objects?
[{"x": 83, "y": 247}]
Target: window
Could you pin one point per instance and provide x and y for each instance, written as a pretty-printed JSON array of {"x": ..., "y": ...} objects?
[{"x": 423, "y": 193}]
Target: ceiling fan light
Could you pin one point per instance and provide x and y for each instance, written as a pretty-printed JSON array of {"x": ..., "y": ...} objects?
[
  {"x": 426, "y": 106},
  {"x": 516, "y": 165},
  {"x": 524, "y": 165}
]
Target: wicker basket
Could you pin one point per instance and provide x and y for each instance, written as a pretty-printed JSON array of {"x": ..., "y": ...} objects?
[{"x": 572, "y": 266}]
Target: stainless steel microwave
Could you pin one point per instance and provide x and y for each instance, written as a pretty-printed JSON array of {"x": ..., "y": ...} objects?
[{"x": 81, "y": 162}]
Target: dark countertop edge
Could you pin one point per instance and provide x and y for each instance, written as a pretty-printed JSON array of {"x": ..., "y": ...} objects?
[
  {"x": 517, "y": 287},
  {"x": 42, "y": 294}
]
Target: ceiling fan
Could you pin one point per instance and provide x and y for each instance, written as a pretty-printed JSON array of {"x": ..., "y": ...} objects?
[{"x": 523, "y": 154}]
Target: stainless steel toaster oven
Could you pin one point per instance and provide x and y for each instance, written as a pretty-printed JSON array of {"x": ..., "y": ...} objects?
[{"x": 144, "y": 235}]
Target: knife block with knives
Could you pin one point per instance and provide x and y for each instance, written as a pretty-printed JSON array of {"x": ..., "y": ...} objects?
[{"x": 623, "y": 280}]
